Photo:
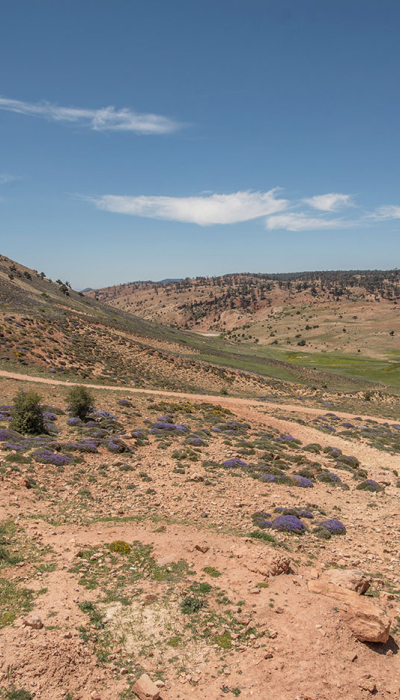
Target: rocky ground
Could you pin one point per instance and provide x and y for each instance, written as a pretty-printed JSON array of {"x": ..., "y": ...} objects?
[{"x": 149, "y": 541}]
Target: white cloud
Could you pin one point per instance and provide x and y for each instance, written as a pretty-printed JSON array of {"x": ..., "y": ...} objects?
[
  {"x": 302, "y": 222},
  {"x": 202, "y": 210},
  {"x": 5, "y": 178},
  {"x": 105, "y": 119},
  {"x": 389, "y": 211},
  {"x": 329, "y": 202}
]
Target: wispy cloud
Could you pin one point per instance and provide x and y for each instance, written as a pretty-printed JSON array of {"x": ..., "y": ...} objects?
[
  {"x": 302, "y": 222},
  {"x": 390, "y": 211},
  {"x": 5, "y": 178},
  {"x": 105, "y": 119},
  {"x": 329, "y": 202},
  {"x": 203, "y": 210},
  {"x": 207, "y": 209}
]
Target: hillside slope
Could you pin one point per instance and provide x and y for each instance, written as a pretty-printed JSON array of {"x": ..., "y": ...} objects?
[
  {"x": 323, "y": 311},
  {"x": 48, "y": 328}
]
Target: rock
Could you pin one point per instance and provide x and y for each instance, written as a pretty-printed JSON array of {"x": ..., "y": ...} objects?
[
  {"x": 196, "y": 477},
  {"x": 95, "y": 696},
  {"x": 366, "y": 620},
  {"x": 352, "y": 579},
  {"x": 150, "y": 598},
  {"x": 34, "y": 622},
  {"x": 145, "y": 689},
  {"x": 26, "y": 483},
  {"x": 202, "y": 548},
  {"x": 160, "y": 684},
  {"x": 368, "y": 685},
  {"x": 258, "y": 560}
]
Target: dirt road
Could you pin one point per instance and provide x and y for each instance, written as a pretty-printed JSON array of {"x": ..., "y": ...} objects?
[{"x": 222, "y": 400}]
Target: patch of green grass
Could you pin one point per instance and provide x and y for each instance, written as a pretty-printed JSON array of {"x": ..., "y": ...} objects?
[
  {"x": 263, "y": 536},
  {"x": 14, "y": 601},
  {"x": 174, "y": 642},
  {"x": 211, "y": 571},
  {"x": 224, "y": 640},
  {"x": 20, "y": 694}
]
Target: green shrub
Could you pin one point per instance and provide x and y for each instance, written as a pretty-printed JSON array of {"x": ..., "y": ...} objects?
[
  {"x": 81, "y": 401},
  {"x": 20, "y": 694},
  {"x": 27, "y": 415},
  {"x": 120, "y": 547},
  {"x": 192, "y": 604}
]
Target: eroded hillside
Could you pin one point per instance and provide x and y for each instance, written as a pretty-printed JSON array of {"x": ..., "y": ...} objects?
[{"x": 322, "y": 311}]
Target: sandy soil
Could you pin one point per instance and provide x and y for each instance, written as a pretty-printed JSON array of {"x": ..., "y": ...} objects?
[{"x": 300, "y": 648}]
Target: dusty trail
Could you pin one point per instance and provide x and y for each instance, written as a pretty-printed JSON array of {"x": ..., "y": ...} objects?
[
  {"x": 222, "y": 400},
  {"x": 375, "y": 460}
]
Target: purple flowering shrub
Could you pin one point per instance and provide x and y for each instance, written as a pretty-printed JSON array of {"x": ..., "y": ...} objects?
[
  {"x": 56, "y": 458},
  {"x": 125, "y": 402},
  {"x": 233, "y": 463},
  {"x": 88, "y": 445},
  {"x": 369, "y": 485},
  {"x": 261, "y": 519},
  {"x": 298, "y": 512},
  {"x": 163, "y": 426},
  {"x": 335, "y": 527},
  {"x": 6, "y": 434},
  {"x": 329, "y": 478},
  {"x": 194, "y": 441},
  {"x": 288, "y": 523},
  {"x": 116, "y": 445},
  {"x": 74, "y": 421},
  {"x": 302, "y": 482}
]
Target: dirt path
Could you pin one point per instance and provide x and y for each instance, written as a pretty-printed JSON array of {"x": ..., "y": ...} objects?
[{"x": 222, "y": 400}]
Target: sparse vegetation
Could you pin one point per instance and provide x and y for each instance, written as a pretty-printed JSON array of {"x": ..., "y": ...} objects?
[{"x": 27, "y": 415}]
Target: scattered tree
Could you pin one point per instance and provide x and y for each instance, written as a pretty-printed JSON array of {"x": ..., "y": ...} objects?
[
  {"x": 27, "y": 415},
  {"x": 81, "y": 401}
]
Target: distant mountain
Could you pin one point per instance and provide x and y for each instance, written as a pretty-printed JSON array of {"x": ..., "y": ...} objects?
[
  {"x": 352, "y": 311},
  {"x": 170, "y": 279},
  {"x": 87, "y": 289}
]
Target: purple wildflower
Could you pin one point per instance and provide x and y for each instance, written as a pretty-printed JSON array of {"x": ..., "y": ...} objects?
[
  {"x": 56, "y": 458},
  {"x": 195, "y": 441},
  {"x": 74, "y": 421},
  {"x": 302, "y": 481},
  {"x": 335, "y": 527},
  {"x": 234, "y": 462},
  {"x": 288, "y": 523}
]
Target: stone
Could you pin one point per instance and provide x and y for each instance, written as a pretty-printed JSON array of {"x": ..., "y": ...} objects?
[
  {"x": 26, "y": 483},
  {"x": 34, "y": 622},
  {"x": 366, "y": 620},
  {"x": 203, "y": 548},
  {"x": 145, "y": 689},
  {"x": 352, "y": 579},
  {"x": 259, "y": 561},
  {"x": 150, "y": 598}
]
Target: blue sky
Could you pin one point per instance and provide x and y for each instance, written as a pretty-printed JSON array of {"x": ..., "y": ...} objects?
[{"x": 159, "y": 138}]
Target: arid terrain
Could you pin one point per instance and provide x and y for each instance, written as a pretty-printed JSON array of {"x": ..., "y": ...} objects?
[
  {"x": 325, "y": 311},
  {"x": 223, "y": 521}
]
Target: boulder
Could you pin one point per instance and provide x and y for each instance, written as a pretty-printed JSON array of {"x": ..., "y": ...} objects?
[
  {"x": 367, "y": 621},
  {"x": 352, "y": 579},
  {"x": 145, "y": 689},
  {"x": 260, "y": 560},
  {"x": 34, "y": 622},
  {"x": 202, "y": 548}
]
